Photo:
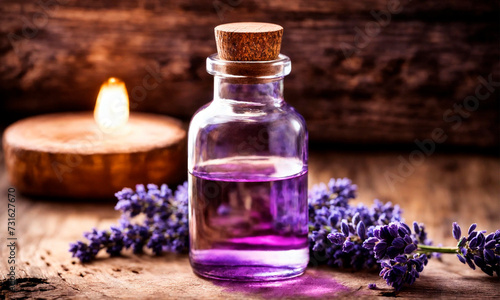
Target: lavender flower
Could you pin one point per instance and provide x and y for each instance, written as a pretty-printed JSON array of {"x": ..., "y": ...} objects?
[
  {"x": 82, "y": 251},
  {"x": 394, "y": 245},
  {"x": 402, "y": 269},
  {"x": 111, "y": 240},
  {"x": 164, "y": 226},
  {"x": 338, "y": 230},
  {"x": 391, "y": 240},
  {"x": 478, "y": 250}
]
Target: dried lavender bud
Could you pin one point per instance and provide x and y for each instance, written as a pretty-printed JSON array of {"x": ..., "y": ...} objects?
[
  {"x": 345, "y": 227},
  {"x": 333, "y": 220},
  {"x": 348, "y": 246},
  {"x": 461, "y": 258},
  {"x": 471, "y": 228},
  {"x": 416, "y": 228},
  {"x": 361, "y": 230},
  {"x": 372, "y": 286},
  {"x": 457, "y": 232},
  {"x": 337, "y": 238},
  {"x": 355, "y": 219}
]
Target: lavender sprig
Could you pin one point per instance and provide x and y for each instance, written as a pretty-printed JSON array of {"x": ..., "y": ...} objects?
[
  {"x": 475, "y": 250},
  {"x": 478, "y": 250},
  {"x": 164, "y": 226},
  {"x": 363, "y": 237}
]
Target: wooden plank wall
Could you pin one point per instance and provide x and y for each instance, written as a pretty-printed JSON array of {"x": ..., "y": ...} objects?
[{"x": 357, "y": 76}]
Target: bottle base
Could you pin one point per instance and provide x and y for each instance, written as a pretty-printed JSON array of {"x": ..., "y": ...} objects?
[
  {"x": 250, "y": 265},
  {"x": 246, "y": 273}
]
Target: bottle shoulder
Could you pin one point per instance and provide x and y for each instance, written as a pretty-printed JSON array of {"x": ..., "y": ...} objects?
[{"x": 216, "y": 113}]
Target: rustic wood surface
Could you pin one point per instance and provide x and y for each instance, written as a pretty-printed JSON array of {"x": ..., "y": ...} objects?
[
  {"x": 444, "y": 188},
  {"x": 54, "y": 57}
]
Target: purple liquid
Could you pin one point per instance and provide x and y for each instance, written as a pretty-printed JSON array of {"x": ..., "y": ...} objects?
[{"x": 248, "y": 219}]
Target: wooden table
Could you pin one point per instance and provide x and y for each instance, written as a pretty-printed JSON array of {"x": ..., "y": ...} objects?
[{"x": 443, "y": 189}]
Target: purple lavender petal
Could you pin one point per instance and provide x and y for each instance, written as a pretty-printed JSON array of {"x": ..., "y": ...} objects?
[
  {"x": 336, "y": 238},
  {"x": 490, "y": 245},
  {"x": 380, "y": 250},
  {"x": 333, "y": 220},
  {"x": 401, "y": 259},
  {"x": 348, "y": 246},
  {"x": 490, "y": 237},
  {"x": 480, "y": 240},
  {"x": 471, "y": 228},
  {"x": 470, "y": 263},
  {"x": 416, "y": 228},
  {"x": 345, "y": 227},
  {"x": 356, "y": 219},
  {"x": 410, "y": 248},
  {"x": 361, "y": 230},
  {"x": 479, "y": 261},
  {"x": 462, "y": 242},
  {"x": 398, "y": 243},
  {"x": 461, "y": 258},
  {"x": 473, "y": 243},
  {"x": 457, "y": 232},
  {"x": 472, "y": 235},
  {"x": 393, "y": 230},
  {"x": 370, "y": 243},
  {"x": 489, "y": 256},
  {"x": 405, "y": 228},
  {"x": 392, "y": 252}
]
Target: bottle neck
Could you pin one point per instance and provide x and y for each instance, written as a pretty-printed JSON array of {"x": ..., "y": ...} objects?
[{"x": 262, "y": 92}]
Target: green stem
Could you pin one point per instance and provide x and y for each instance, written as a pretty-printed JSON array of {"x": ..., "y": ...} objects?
[{"x": 437, "y": 249}]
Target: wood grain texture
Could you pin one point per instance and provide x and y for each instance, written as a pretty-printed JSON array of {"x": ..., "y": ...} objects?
[
  {"x": 392, "y": 87},
  {"x": 443, "y": 189}
]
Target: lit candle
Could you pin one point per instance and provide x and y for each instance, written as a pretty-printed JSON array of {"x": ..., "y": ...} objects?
[
  {"x": 80, "y": 155},
  {"x": 111, "y": 111}
]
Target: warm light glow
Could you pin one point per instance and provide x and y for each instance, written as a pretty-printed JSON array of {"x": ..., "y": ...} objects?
[{"x": 112, "y": 106}]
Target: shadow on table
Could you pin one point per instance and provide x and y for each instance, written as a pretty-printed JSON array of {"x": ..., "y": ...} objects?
[{"x": 313, "y": 284}]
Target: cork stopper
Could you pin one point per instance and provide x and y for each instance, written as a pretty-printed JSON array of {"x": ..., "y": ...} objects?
[{"x": 248, "y": 41}]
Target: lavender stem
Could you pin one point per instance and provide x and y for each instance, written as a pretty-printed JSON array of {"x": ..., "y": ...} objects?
[{"x": 426, "y": 248}]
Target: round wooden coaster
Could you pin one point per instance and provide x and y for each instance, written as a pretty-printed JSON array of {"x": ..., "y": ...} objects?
[{"x": 66, "y": 155}]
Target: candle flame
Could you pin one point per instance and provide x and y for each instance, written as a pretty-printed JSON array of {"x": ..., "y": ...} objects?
[{"x": 112, "y": 106}]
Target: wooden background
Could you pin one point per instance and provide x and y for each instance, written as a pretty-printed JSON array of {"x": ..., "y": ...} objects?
[{"x": 393, "y": 88}]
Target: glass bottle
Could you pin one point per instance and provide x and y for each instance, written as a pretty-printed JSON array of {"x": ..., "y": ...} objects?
[{"x": 247, "y": 163}]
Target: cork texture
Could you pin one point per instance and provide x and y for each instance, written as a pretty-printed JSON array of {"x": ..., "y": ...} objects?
[{"x": 248, "y": 41}]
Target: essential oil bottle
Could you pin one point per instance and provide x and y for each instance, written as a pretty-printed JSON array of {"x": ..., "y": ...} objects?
[{"x": 247, "y": 163}]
